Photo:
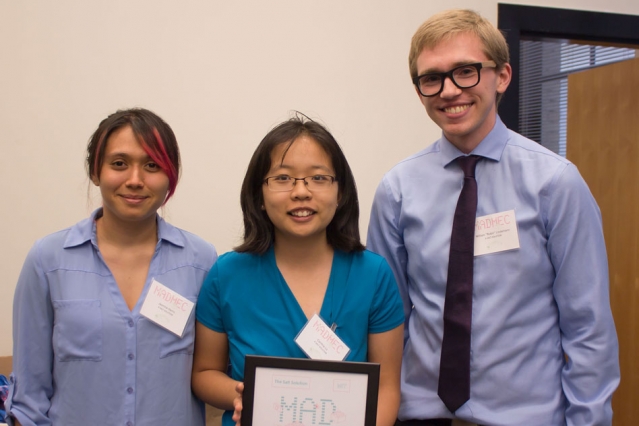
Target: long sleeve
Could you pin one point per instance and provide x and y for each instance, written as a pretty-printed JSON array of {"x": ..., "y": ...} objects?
[
  {"x": 31, "y": 382},
  {"x": 578, "y": 253},
  {"x": 385, "y": 239}
]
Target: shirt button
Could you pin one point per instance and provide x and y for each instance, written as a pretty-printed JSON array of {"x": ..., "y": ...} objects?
[
  {"x": 131, "y": 356},
  {"x": 130, "y": 323},
  {"x": 129, "y": 423},
  {"x": 129, "y": 390}
]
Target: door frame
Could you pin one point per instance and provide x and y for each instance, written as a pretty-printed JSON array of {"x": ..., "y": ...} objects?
[{"x": 515, "y": 21}]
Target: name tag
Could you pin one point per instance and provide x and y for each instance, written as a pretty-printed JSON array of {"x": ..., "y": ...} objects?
[
  {"x": 496, "y": 232},
  {"x": 167, "y": 308},
  {"x": 318, "y": 341}
]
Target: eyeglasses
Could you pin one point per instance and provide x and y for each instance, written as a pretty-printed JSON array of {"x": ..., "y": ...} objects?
[
  {"x": 285, "y": 183},
  {"x": 464, "y": 77}
]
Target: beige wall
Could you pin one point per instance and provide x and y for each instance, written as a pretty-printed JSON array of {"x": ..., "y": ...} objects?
[{"x": 222, "y": 74}]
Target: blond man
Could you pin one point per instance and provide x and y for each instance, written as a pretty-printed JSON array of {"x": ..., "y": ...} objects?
[{"x": 540, "y": 343}]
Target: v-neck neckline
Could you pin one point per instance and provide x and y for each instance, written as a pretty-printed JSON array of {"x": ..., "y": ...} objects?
[
  {"x": 116, "y": 294},
  {"x": 326, "y": 309}
]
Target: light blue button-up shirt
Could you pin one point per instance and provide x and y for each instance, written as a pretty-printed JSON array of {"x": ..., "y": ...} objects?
[
  {"x": 81, "y": 357},
  {"x": 532, "y": 306}
]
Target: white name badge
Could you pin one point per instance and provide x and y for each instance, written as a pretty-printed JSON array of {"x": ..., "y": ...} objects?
[
  {"x": 167, "y": 308},
  {"x": 318, "y": 341},
  {"x": 496, "y": 232}
]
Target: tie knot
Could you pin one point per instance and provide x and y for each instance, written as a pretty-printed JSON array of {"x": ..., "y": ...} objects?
[{"x": 468, "y": 164}]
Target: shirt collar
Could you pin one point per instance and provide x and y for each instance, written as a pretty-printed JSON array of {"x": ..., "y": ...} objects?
[
  {"x": 85, "y": 231},
  {"x": 491, "y": 147}
]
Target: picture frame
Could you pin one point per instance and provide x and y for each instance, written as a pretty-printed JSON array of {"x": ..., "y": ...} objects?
[{"x": 306, "y": 392}]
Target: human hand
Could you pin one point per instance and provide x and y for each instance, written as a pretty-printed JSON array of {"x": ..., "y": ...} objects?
[{"x": 237, "y": 404}]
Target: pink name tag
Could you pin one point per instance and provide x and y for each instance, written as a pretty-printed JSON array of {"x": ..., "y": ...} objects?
[
  {"x": 167, "y": 308},
  {"x": 318, "y": 341},
  {"x": 496, "y": 232}
]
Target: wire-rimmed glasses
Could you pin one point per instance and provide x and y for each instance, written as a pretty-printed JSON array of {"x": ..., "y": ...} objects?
[{"x": 285, "y": 183}]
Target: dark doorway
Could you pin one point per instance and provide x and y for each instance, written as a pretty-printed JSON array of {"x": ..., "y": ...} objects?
[{"x": 516, "y": 21}]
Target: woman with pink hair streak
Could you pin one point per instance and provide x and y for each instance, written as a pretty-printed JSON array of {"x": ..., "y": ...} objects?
[{"x": 86, "y": 352}]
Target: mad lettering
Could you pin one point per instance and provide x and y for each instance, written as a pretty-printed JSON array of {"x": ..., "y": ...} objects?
[{"x": 308, "y": 412}]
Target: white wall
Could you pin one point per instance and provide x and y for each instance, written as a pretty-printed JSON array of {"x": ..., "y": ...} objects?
[{"x": 221, "y": 73}]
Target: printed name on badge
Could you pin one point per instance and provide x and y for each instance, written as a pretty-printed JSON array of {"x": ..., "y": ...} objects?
[
  {"x": 167, "y": 308},
  {"x": 496, "y": 232},
  {"x": 318, "y": 341}
]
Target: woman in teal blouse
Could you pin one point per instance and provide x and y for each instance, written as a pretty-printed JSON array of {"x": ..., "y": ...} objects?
[{"x": 301, "y": 256}]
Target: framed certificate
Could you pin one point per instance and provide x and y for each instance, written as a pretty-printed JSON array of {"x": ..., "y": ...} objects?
[{"x": 305, "y": 392}]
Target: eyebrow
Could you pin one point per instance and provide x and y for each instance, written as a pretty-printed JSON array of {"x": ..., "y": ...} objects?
[
  {"x": 455, "y": 65},
  {"x": 125, "y": 155},
  {"x": 287, "y": 167}
]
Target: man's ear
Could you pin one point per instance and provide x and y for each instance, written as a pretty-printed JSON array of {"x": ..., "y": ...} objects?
[{"x": 504, "y": 75}]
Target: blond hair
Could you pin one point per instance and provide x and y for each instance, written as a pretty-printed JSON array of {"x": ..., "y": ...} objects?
[{"x": 450, "y": 23}]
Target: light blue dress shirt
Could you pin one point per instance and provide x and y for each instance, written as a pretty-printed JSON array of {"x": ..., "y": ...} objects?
[
  {"x": 81, "y": 357},
  {"x": 532, "y": 306}
]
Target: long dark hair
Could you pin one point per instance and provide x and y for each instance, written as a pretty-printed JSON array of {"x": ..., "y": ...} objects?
[{"x": 343, "y": 231}]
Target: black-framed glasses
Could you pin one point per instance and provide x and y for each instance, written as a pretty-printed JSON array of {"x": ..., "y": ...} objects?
[
  {"x": 464, "y": 77},
  {"x": 285, "y": 183}
]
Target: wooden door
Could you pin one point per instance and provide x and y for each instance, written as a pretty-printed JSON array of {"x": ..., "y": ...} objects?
[{"x": 603, "y": 141}]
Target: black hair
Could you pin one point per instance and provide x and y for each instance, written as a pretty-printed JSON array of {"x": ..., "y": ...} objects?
[{"x": 342, "y": 232}]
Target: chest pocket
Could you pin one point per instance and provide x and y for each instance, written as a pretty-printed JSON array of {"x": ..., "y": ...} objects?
[
  {"x": 171, "y": 344},
  {"x": 77, "y": 330}
]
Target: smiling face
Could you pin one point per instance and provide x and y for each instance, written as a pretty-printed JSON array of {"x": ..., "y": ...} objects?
[
  {"x": 300, "y": 213},
  {"x": 465, "y": 116},
  {"x": 132, "y": 185}
]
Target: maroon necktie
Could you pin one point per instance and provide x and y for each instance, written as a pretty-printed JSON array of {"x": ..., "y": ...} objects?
[{"x": 454, "y": 369}]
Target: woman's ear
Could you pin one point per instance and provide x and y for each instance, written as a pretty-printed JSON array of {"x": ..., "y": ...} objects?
[{"x": 95, "y": 180}]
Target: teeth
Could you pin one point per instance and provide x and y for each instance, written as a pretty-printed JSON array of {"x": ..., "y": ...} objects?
[
  {"x": 302, "y": 213},
  {"x": 457, "y": 109}
]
